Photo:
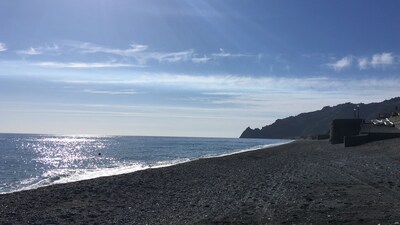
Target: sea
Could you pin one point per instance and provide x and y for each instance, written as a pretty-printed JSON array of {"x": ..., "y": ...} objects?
[{"x": 29, "y": 161}]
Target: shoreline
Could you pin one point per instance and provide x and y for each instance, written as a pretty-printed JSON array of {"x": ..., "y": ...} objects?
[
  {"x": 264, "y": 147},
  {"x": 299, "y": 182},
  {"x": 146, "y": 167}
]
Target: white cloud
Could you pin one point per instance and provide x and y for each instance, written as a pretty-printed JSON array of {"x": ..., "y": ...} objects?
[
  {"x": 83, "y": 65},
  {"x": 138, "y": 52},
  {"x": 242, "y": 84},
  {"x": 378, "y": 60},
  {"x": 135, "y": 53},
  {"x": 30, "y": 51},
  {"x": 168, "y": 57},
  {"x": 363, "y": 63},
  {"x": 47, "y": 49},
  {"x": 203, "y": 59},
  {"x": 3, "y": 47},
  {"x": 342, "y": 63},
  {"x": 108, "y": 92},
  {"x": 382, "y": 60},
  {"x": 223, "y": 54},
  {"x": 258, "y": 95},
  {"x": 85, "y": 47}
]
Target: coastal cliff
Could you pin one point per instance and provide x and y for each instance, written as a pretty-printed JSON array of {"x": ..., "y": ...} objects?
[{"x": 318, "y": 122}]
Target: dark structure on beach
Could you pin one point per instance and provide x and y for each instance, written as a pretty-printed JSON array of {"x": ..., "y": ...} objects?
[
  {"x": 342, "y": 128},
  {"x": 353, "y": 132}
]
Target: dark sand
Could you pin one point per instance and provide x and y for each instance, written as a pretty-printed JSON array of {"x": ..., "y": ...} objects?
[{"x": 302, "y": 182}]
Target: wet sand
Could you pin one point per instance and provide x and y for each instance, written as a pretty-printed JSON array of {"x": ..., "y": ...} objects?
[{"x": 302, "y": 182}]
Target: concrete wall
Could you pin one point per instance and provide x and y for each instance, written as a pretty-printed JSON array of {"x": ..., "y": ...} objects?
[
  {"x": 365, "y": 138},
  {"x": 382, "y": 136},
  {"x": 356, "y": 140},
  {"x": 344, "y": 127},
  {"x": 353, "y": 132}
]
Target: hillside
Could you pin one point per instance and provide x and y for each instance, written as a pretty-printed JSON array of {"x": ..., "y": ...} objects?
[{"x": 318, "y": 122}]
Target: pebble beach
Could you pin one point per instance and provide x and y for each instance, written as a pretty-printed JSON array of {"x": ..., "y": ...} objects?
[{"x": 303, "y": 182}]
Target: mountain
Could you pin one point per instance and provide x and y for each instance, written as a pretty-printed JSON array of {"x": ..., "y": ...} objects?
[{"x": 318, "y": 122}]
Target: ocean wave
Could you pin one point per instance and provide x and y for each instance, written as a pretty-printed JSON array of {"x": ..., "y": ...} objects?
[
  {"x": 68, "y": 175},
  {"x": 257, "y": 147}
]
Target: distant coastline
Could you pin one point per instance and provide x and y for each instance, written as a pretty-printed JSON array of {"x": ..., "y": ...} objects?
[{"x": 318, "y": 122}]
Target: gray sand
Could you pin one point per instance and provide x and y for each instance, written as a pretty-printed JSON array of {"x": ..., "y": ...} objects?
[{"x": 302, "y": 182}]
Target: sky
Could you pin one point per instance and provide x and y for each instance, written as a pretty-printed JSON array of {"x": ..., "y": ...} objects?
[{"x": 189, "y": 67}]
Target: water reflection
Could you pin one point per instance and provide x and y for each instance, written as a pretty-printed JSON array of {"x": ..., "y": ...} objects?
[{"x": 66, "y": 152}]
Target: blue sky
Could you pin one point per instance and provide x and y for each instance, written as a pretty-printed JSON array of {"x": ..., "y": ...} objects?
[{"x": 189, "y": 68}]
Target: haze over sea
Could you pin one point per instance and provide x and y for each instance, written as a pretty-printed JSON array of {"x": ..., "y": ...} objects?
[{"x": 29, "y": 161}]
